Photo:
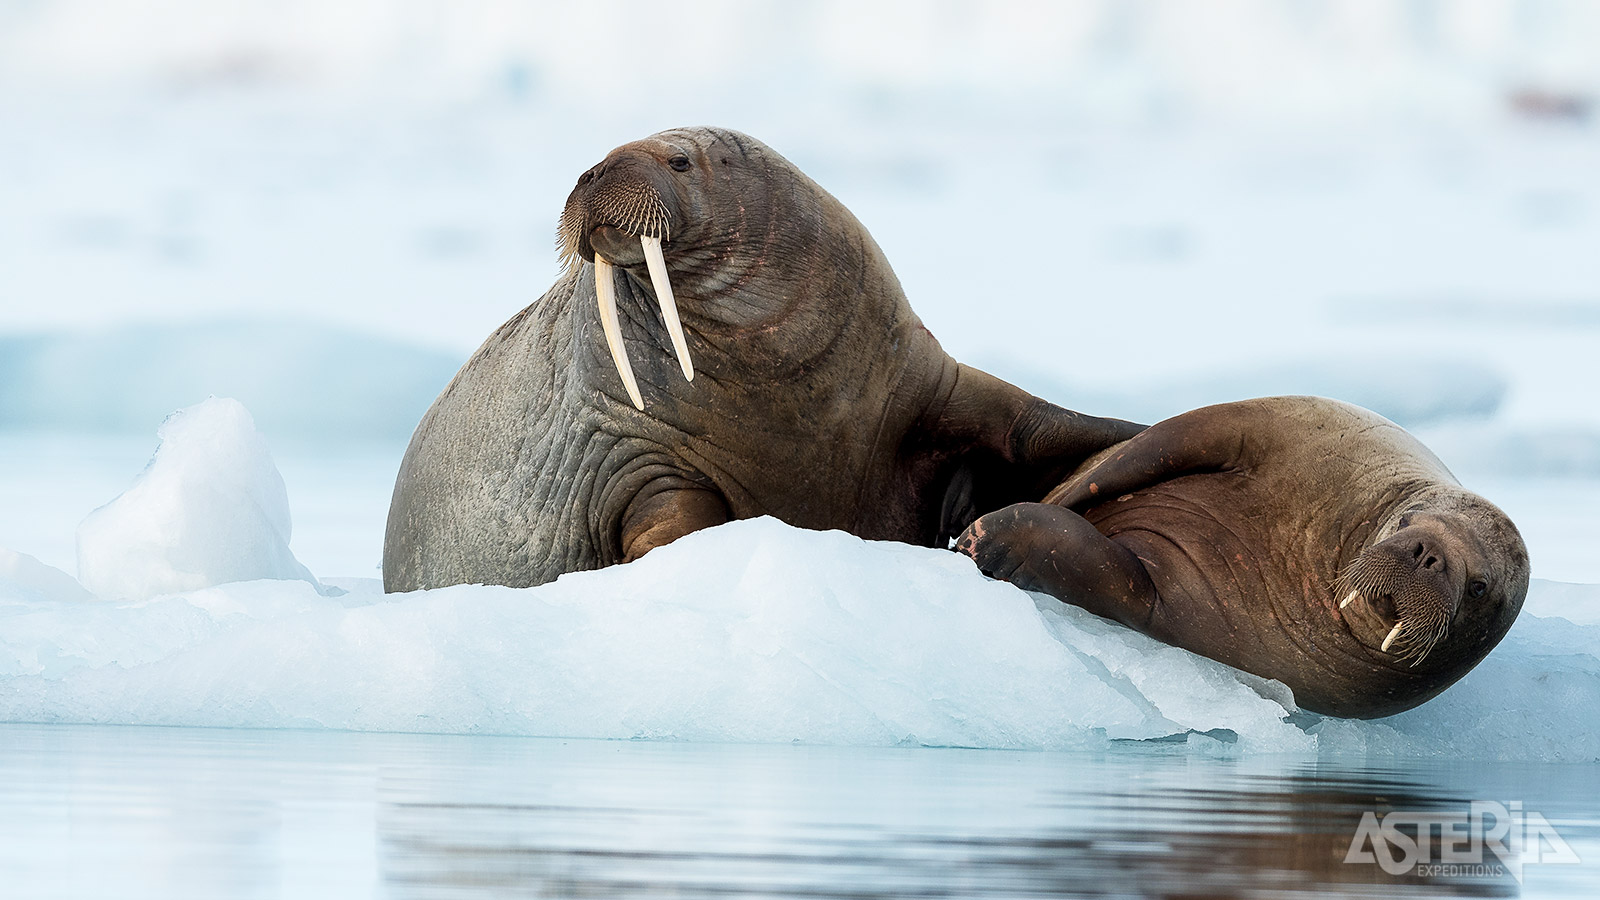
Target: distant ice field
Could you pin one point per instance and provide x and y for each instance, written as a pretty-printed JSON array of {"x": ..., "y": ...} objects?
[{"x": 1112, "y": 261}]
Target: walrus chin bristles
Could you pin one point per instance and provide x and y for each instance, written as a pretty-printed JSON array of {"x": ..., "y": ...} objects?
[
  {"x": 669, "y": 305},
  {"x": 605, "y": 291}
]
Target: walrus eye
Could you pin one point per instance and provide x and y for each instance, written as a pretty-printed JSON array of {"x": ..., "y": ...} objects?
[
  {"x": 679, "y": 163},
  {"x": 1477, "y": 588}
]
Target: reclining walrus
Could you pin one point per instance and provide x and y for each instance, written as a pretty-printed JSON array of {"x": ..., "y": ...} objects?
[
  {"x": 1298, "y": 538},
  {"x": 727, "y": 341}
]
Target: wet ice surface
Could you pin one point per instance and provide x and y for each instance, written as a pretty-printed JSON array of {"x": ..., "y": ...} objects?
[{"x": 180, "y": 813}]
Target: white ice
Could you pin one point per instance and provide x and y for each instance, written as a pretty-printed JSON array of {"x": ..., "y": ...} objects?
[
  {"x": 751, "y": 632},
  {"x": 210, "y": 509}
]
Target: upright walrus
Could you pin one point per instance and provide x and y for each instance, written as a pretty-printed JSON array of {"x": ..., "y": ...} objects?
[
  {"x": 1298, "y": 538},
  {"x": 575, "y": 438}
]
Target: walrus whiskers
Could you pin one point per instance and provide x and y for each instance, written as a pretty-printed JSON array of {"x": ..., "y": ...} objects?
[
  {"x": 605, "y": 290},
  {"x": 1420, "y": 619},
  {"x": 1426, "y": 619}
]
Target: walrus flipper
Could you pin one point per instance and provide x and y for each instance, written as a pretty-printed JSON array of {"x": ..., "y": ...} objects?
[
  {"x": 1049, "y": 547},
  {"x": 1204, "y": 440},
  {"x": 1042, "y": 547},
  {"x": 663, "y": 516},
  {"x": 1012, "y": 445}
]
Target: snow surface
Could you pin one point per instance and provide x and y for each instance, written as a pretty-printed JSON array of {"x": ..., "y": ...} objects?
[{"x": 751, "y": 632}]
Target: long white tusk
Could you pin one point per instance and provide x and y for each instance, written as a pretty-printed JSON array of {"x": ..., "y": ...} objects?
[
  {"x": 1354, "y": 595},
  {"x": 605, "y": 290},
  {"x": 669, "y": 304},
  {"x": 1394, "y": 633}
]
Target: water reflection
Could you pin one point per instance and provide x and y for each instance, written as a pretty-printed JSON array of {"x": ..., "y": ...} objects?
[
  {"x": 758, "y": 822},
  {"x": 133, "y": 812}
]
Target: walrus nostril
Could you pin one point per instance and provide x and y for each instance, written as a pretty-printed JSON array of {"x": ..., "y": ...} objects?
[{"x": 1424, "y": 557}]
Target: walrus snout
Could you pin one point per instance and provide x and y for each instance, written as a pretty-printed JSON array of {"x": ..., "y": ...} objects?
[
  {"x": 1414, "y": 579},
  {"x": 632, "y": 190},
  {"x": 629, "y": 192}
]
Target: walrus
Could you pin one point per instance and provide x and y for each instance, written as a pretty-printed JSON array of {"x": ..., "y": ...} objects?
[
  {"x": 726, "y": 341},
  {"x": 1298, "y": 538}
]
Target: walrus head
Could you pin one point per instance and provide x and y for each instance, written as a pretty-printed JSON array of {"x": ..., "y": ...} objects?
[
  {"x": 1444, "y": 583},
  {"x": 687, "y": 215}
]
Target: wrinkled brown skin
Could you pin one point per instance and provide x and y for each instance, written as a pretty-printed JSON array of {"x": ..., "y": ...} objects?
[
  {"x": 1223, "y": 531},
  {"x": 818, "y": 397}
]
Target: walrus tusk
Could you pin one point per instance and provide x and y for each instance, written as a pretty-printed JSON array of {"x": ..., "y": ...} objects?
[
  {"x": 669, "y": 304},
  {"x": 1354, "y": 595},
  {"x": 605, "y": 290},
  {"x": 1393, "y": 633}
]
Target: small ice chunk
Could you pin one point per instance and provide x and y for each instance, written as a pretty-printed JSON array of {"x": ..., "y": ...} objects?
[{"x": 209, "y": 509}]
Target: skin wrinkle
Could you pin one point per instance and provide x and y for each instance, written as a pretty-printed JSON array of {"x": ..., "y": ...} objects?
[
  {"x": 567, "y": 502},
  {"x": 1153, "y": 567},
  {"x": 633, "y": 474},
  {"x": 879, "y": 432},
  {"x": 1231, "y": 578},
  {"x": 729, "y": 483}
]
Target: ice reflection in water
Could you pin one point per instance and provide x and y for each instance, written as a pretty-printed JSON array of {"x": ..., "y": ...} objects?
[{"x": 134, "y": 812}]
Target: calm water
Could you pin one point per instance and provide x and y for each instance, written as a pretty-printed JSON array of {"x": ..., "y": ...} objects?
[{"x": 143, "y": 812}]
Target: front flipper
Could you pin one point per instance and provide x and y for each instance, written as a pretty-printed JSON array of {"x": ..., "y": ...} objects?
[
  {"x": 1011, "y": 445},
  {"x": 1212, "y": 439},
  {"x": 1040, "y": 547},
  {"x": 662, "y": 516}
]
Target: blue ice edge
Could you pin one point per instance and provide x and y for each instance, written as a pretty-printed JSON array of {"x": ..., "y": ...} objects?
[{"x": 751, "y": 632}]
